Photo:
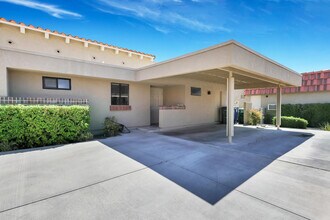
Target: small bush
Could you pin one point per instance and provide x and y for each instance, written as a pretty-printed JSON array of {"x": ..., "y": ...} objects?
[
  {"x": 268, "y": 117},
  {"x": 85, "y": 136},
  {"x": 7, "y": 146},
  {"x": 325, "y": 126},
  {"x": 254, "y": 117},
  {"x": 36, "y": 125},
  {"x": 111, "y": 128},
  {"x": 292, "y": 122}
]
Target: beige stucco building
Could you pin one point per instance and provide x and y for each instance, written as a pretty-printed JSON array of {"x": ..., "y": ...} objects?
[
  {"x": 314, "y": 88},
  {"x": 130, "y": 85}
]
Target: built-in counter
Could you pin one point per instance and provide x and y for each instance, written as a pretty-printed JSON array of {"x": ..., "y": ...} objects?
[
  {"x": 172, "y": 116},
  {"x": 172, "y": 107}
]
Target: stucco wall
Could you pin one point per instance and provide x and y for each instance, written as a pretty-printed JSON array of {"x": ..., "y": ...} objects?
[
  {"x": 246, "y": 60},
  {"x": 3, "y": 81},
  {"x": 172, "y": 118},
  {"x": 211, "y": 59},
  {"x": 174, "y": 95},
  {"x": 37, "y": 62},
  {"x": 199, "y": 109},
  {"x": 97, "y": 91},
  {"x": 36, "y": 42},
  {"x": 297, "y": 98},
  {"x": 239, "y": 98},
  {"x": 294, "y": 98},
  {"x": 256, "y": 102}
]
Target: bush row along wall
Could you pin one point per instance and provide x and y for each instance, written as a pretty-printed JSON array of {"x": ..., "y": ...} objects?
[
  {"x": 25, "y": 126},
  {"x": 292, "y": 122},
  {"x": 315, "y": 114}
]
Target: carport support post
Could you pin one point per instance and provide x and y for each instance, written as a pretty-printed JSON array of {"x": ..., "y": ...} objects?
[
  {"x": 230, "y": 107},
  {"x": 278, "y": 107}
]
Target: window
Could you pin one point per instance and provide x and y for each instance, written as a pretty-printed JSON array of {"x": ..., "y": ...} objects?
[
  {"x": 195, "y": 91},
  {"x": 119, "y": 94},
  {"x": 271, "y": 106},
  {"x": 56, "y": 83}
]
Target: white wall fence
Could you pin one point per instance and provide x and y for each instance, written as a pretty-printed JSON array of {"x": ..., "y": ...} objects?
[{"x": 41, "y": 101}]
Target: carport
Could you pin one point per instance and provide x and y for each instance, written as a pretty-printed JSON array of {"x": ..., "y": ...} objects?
[{"x": 231, "y": 64}]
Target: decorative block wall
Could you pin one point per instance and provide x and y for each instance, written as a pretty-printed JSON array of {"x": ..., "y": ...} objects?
[
  {"x": 120, "y": 108},
  {"x": 42, "y": 101}
]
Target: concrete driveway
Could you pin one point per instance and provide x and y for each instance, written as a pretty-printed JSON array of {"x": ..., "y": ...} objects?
[{"x": 188, "y": 173}]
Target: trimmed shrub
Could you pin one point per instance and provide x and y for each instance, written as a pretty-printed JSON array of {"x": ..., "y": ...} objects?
[
  {"x": 254, "y": 117},
  {"x": 36, "y": 125},
  {"x": 111, "y": 128},
  {"x": 292, "y": 122},
  {"x": 315, "y": 114},
  {"x": 269, "y": 115},
  {"x": 325, "y": 126}
]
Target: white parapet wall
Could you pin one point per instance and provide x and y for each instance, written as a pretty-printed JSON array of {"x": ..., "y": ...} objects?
[{"x": 172, "y": 118}]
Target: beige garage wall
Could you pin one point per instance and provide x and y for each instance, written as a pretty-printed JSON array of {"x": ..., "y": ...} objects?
[
  {"x": 174, "y": 95},
  {"x": 97, "y": 91},
  {"x": 199, "y": 109}
]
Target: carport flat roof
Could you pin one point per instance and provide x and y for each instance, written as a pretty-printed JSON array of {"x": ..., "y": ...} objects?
[{"x": 250, "y": 68}]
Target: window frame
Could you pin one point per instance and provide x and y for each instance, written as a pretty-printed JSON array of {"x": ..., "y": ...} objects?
[
  {"x": 191, "y": 91},
  {"x": 271, "y": 109},
  {"x": 120, "y": 95},
  {"x": 56, "y": 78}
]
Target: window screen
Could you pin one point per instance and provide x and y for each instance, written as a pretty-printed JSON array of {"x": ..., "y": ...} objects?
[
  {"x": 119, "y": 94},
  {"x": 196, "y": 91},
  {"x": 271, "y": 106},
  {"x": 63, "y": 83},
  {"x": 56, "y": 83}
]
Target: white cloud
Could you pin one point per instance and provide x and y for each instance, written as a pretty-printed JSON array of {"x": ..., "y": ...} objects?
[
  {"x": 161, "y": 13},
  {"x": 161, "y": 29},
  {"x": 53, "y": 10}
]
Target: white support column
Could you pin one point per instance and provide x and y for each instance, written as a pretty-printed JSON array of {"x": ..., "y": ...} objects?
[
  {"x": 278, "y": 107},
  {"x": 230, "y": 107},
  {"x": 3, "y": 81}
]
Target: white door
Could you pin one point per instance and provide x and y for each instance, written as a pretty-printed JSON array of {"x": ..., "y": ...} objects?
[{"x": 156, "y": 100}]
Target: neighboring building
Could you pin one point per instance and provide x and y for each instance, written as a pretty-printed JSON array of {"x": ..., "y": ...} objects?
[
  {"x": 315, "y": 88},
  {"x": 187, "y": 90}
]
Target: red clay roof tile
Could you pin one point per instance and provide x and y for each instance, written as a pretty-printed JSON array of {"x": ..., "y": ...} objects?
[{"x": 311, "y": 82}]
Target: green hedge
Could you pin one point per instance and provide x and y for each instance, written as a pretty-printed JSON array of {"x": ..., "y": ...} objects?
[
  {"x": 292, "y": 122},
  {"x": 269, "y": 115},
  {"x": 35, "y": 125},
  {"x": 315, "y": 114}
]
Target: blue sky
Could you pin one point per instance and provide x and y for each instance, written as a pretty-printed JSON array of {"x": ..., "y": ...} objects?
[{"x": 295, "y": 33}]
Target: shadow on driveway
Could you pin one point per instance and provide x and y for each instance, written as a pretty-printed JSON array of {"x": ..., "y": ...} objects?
[{"x": 201, "y": 161}]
